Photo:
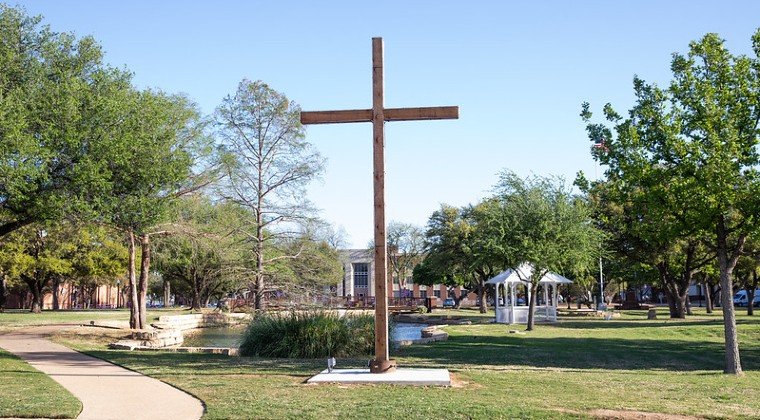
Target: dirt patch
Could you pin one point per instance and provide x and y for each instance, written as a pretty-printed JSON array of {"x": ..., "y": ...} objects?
[
  {"x": 638, "y": 415},
  {"x": 458, "y": 382}
]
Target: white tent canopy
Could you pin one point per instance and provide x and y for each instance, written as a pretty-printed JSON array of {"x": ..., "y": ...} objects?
[{"x": 508, "y": 309}]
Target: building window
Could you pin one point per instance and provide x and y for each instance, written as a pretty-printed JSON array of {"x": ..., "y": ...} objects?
[
  {"x": 423, "y": 294},
  {"x": 437, "y": 293},
  {"x": 395, "y": 279},
  {"x": 361, "y": 275}
]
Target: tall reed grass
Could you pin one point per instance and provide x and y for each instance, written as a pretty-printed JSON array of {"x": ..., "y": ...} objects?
[{"x": 309, "y": 334}]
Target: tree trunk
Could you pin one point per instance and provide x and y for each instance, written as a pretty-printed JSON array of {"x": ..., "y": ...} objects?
[
  {"x": 531, "y": 305},
  {"x": 22, "y": 297},
  {"x": 750, "y": 299},
  {"x": 688, "y": 303},
  {"x": 258, "y": 302},
  {"x": 167, "y": 293},
  {"x": 142, "y": 287},
  {"x": 676, "y": 301},
  {"x": 56, "y": 289},
  {"x": 196, "y": 305},
  {"x": 482, "y": 296},
  {"x": 3, "y": 292},
  {"x": 134, "y": 315},
  {"x": 36, "y": 290},
  {"x": 259, "y": 287},
  {"x": 727, "y": 262},
  {"x": 708, "y": 297}
]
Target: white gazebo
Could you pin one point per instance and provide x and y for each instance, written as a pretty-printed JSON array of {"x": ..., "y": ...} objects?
[{"x": 511, "y": 310}]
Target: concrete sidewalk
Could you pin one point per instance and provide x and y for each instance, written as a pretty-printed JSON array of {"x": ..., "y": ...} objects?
[{"x": 106, "y": 391}]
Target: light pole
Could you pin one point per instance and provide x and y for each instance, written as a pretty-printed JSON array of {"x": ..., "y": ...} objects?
[
  {"x": 118, "y": 294},
  {"x": 601, "y": 305}
]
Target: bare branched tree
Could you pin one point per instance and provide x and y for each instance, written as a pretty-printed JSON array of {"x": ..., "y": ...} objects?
[{"x": 261, "y": 127}]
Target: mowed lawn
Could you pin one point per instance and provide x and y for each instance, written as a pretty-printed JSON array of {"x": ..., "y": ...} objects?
[
  {"x": 14, "y": 318},
  {"x": 576, "y": 368},
  {"x": 27, "y": 392}
]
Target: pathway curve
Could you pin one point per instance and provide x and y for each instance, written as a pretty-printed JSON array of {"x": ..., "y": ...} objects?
[{"x": 106, "y": 391}]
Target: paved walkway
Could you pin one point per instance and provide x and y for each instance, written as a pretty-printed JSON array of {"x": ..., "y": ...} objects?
[{"x": 106, "y": 391}]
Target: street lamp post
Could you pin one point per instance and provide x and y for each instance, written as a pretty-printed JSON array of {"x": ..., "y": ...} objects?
[{"x": 601, "y": 285}]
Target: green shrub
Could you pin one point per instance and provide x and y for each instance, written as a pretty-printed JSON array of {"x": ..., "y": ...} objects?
[{"x": 309, "y": 334}]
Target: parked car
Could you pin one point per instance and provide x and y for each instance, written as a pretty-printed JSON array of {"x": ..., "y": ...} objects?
[
  {"x": 740, "y": 298},
  {"x": 449, "y": 303}
]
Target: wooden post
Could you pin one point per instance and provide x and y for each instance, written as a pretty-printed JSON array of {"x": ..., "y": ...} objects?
[
  {"x": 378, "y": 115},
  {"x": 382, "y": 362}
]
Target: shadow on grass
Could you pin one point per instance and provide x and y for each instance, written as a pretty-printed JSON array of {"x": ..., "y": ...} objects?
[
  {"x": 194, "y": 364},
  {"x": 579, "y": 353},
  {"x": 643, "y": 323}
]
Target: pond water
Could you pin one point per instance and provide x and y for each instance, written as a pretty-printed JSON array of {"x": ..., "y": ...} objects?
[
  {"x": 231, "y": 337},
  {"x": 407, "y": 331},
  {"x": 215, "y": 337}
]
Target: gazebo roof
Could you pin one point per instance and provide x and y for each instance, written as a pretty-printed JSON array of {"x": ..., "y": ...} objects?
[{"x": 524, "y": 271}]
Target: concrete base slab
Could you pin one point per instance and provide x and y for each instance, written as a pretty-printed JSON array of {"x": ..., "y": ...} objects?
[{"x": 417, "y": 377}]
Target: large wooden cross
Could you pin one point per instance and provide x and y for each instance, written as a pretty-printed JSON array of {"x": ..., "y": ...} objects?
[{"x": 378, "y": 115}]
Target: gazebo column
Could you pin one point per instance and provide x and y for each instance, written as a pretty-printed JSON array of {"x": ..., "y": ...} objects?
[
  {"x": 546, "y": 300},
  {"x": 511, "y": 303},
  {"x": 555, "y": 301}
]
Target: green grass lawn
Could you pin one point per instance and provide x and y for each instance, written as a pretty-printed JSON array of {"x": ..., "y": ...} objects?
[
  {"x": 15, "y": 318},
  {"x": 27, "y": 392},
  {"x": 572, "y": 369}
]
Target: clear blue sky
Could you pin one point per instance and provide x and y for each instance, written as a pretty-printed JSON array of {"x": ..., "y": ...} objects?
[{"x": 518, "y": 71}]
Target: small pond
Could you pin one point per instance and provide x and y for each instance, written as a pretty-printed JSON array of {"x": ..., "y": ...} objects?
[
  {"x": 215, "y": 337},
  {"x": 231, "y": 337}
]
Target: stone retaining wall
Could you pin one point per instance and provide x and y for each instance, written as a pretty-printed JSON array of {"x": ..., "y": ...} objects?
[
  {"x": 193, "y": 321},
  {"x": 170, "y": 330}
]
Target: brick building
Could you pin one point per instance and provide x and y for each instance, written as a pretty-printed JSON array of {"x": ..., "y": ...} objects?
[{"x": 69, "y": 297}]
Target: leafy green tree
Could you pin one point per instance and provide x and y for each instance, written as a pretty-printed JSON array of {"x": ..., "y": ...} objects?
[
  {"x": 645, "y": 238},
  {"x": 542, "y": 224},
  {"x": 204, "y": 257},
  {"x": 692, "y": 149},
  {"x": 261, "y": 127},
  {"x": 154, "y": 160},
  {"x": 459, "y": 251},
  {"x": 35, "y": 255},
  {"x": 59, "y": 111},
  {"x": 97, "y": 256}
]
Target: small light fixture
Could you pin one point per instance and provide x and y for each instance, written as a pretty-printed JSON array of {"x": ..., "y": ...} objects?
[{"x": 330, "y": 364}]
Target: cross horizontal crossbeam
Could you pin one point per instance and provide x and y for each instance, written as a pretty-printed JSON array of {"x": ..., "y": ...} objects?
[{"x": 389, "y": 114}]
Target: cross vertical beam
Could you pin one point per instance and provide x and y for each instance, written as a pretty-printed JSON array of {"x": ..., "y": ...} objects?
[
  {"x": 382, "y": 362},
  {"x": 377, "y": 116}
]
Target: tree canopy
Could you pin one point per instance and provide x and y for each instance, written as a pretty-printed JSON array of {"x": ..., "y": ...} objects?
[
  {"x": 687, "y": 155},
  {"x": 261, "y": 128}
]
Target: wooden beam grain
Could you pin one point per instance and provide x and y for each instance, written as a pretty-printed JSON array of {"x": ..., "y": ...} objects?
[
  {"x": 425, "y": 113},
  {"x": 330, "y": 117}
]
